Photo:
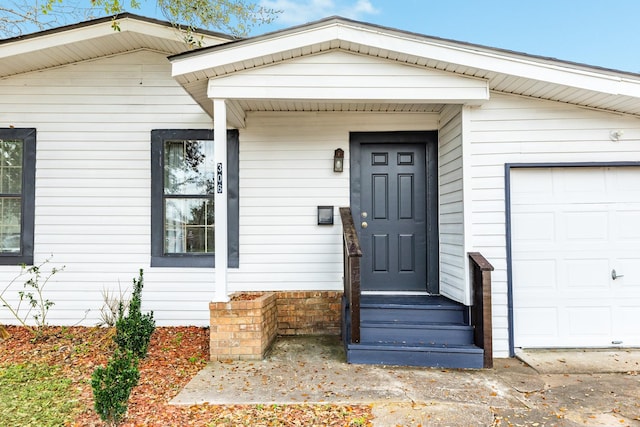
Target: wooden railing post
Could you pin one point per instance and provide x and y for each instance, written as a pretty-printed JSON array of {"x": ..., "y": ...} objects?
[
  {"x": 352, "y": 254},
  {"x": 481, "y": 319}
]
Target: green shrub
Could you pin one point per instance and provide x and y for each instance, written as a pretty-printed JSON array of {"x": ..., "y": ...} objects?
[
  {"x": 133, "y": 330},
  {"x": 112, "y": 386}
]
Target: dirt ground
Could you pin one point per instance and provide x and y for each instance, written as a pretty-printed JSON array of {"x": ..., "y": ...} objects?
[{"x": 175, "y": 356}]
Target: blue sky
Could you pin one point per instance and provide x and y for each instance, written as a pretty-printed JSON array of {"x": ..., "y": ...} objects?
[
  {"x": 596, "y": 32},
  {"x": 604, "y": 33}
]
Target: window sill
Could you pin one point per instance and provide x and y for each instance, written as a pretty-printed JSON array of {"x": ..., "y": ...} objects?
[{"x": 189, "y": 261}]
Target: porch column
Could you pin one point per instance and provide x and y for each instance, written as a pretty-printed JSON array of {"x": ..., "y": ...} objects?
[{"x": 220, "y": 199}]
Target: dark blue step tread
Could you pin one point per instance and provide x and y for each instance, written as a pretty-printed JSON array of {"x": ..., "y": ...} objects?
[
  {"x": 411, "y": 306},
  {"x": 416, "y": 348},
  {"x": 411, "y": 357},
  {"x": 412, "y": 316},
  {"x": 413, "y": 325},
  {"x": 420, "y": 301}
]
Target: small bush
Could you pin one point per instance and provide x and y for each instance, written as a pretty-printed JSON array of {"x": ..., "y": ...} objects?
[
  {"x": 37, "y": 306},
  {"x": 112, "y": 306},
  {"x": 133, "y": 330},
  {"x": 112, "y": 386}
]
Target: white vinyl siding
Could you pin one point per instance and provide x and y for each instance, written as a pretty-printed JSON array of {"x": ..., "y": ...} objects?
[
  {"x": 93, "y": 122},
  {"x": 512, "y": 129},
  {"x": 451, "y": 208},
  {"x": 340, "y": 75},
  {"x": 93, "y": 187},
  {"x": 286, "y": 171}
]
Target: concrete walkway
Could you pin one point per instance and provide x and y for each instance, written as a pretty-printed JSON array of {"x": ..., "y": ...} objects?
[{"x": 313, "y": 370}]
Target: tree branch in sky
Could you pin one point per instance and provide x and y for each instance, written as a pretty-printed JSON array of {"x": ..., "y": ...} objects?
[{"x": 234, "y": 17}]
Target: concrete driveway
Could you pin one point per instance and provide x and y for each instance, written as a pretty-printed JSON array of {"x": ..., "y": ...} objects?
[{"x": 558, "y": 389}]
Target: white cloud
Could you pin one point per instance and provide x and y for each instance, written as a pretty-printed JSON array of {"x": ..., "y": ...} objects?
[{"x": 302, "y": 11}]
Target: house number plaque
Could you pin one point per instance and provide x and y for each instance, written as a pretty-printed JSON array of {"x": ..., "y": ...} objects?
[{"x": 219, "y": 176}]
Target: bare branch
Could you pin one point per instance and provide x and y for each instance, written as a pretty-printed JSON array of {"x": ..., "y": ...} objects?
[{"x": 18, "y": 17}]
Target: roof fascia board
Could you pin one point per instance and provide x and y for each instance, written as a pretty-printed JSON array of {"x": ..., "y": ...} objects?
[
  {"x": 493, "y": 61},
  {"x": 165, "y": 32},
  {"x": 406, "y": 43},
  {"x": 84, "y": 33},
  {"x": 55, "y": 39},
  {"x": 246, "y": 51}
]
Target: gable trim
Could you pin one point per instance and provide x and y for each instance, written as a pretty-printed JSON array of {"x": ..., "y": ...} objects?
[{"x": 505, "y": 71}]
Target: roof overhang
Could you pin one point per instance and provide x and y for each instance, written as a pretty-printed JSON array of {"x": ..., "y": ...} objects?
[
  {"x": 503, "y": 71},
  {"x": 94, "y": 39}
]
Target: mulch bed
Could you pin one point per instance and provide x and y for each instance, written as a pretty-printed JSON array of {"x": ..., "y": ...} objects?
[{"x": 176, "y": 354}]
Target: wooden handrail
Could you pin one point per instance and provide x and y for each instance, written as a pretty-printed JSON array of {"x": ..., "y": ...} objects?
[
  {"x": 481, "y": 320},
  {"x": 352, "y": 254}
]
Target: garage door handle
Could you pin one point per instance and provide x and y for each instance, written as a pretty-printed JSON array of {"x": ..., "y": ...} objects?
[{"x": 614, "y": 275}]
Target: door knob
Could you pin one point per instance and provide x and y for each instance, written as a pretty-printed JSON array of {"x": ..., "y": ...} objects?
[
  {"x": 364, "y": 224},
  {"x": 363, "y": 214},
  {"x": 615, "y": 275}
]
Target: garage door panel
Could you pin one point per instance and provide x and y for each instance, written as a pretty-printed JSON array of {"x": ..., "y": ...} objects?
[
  {"x": 625, "y": 180},
  {"x": 535, "y": 226},
  {"x": 537, "y": 275},
  {"x": 586, "y": 225},
  {"x": 537, "y": 323},
  {"x": 625, "y": 324},
  {"x": 588, "y": 274},
  {"x": 538, "y": 185},
  {"x": 628, "y": 268},
  {"x": 625, "y": 228},
  {"x": 589, "y": 322},
  {"x": 569, "y": 228},
  {"x": 582, "y": 185}
]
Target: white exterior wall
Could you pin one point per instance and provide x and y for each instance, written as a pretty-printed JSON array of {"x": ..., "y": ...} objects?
[
  {"x": 286, "y": 171},
  {"x": 93, "y": 122},
  {"x": 511, "y": 129},
  {"x": 453, "y": 266}
]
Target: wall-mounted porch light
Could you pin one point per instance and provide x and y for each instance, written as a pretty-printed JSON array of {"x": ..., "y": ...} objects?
[{"x": 338, "y": 160}]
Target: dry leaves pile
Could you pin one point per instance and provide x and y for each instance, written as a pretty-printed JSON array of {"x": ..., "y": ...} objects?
[{"x": 175, "y": 356}]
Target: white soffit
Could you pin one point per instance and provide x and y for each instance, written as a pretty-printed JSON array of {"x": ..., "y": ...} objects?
[
  {"x": 505, "y": 71},
  {"x": 90, "y": 40}
]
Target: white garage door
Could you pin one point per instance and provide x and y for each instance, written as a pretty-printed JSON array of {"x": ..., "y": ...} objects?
[{"x": 571, "y": 227}]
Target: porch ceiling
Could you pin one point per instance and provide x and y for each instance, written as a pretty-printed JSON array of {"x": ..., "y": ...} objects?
[
  {"x": 303, "y": 105},
  {"x": 505, "y": 71}
]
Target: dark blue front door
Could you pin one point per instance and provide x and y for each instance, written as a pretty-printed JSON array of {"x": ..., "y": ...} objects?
[{"x": 390, "y": 204}]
